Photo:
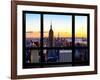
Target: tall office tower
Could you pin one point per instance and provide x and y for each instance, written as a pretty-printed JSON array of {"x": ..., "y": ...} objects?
[
  {"x": 52, "y": 56},
  {"x": 51, "y": 37}
]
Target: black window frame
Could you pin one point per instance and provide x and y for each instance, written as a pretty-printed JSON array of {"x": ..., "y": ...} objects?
[{"x": 42, "y": 64}]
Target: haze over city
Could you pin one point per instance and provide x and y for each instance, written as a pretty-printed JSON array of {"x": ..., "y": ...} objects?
[{"x": 61, "y": 25}]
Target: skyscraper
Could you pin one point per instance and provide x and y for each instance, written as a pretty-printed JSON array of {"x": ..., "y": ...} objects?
[
  {"x": 52, "y": 56},
  {"x": 51, "y": 37}
]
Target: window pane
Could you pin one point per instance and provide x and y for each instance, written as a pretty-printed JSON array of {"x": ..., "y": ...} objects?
[
  {"x": 57, "y": 55},
  {"x": 32, "y": 56},
  {"x": 65, "y": 56},
  {"x": 57, "y": 30},
  {"x": 81, "y": 30},
  {"x": 32, "y": 30},
  {"x": 81, "y": 56}
]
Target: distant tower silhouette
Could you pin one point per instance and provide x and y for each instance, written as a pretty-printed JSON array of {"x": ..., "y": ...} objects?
[
  {"x": 52, "y": 54},
  {"x": 58, "y": 35},
  {"x": 51, "y": 37}
]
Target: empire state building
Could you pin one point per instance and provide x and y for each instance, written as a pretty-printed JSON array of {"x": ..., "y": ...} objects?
[
  {"x": 51, "y": 37},
  {"x": 52, "y": 55}
]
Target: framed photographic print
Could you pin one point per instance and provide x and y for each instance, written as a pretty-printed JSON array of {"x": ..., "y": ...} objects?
[{"x": 53, "y": 39}]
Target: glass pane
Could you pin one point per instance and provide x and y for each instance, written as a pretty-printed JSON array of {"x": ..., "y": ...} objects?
[
  {"x": 32, "y": 56},
  {"x": 57, "y": 55},
  {"x": 32, "y": 30},
  {"x": 65, "y": 56},
  {"x": 57, "y": 30},
  {"x": 81, "y": 56},
  {"x": 80, "y": 30}
]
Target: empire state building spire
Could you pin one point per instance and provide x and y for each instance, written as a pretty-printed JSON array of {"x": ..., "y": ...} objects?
[
  {"x": 51, "y": 25},
  {"x": 51, "y": 36}
]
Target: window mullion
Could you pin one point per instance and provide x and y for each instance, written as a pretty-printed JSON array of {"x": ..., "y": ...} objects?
[
  {"x": 42, "y": 59},
  {"x": 73, "y": 39}
]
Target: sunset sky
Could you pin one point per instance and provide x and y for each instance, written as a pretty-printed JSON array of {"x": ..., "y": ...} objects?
[{"x": 61, "y": 24}]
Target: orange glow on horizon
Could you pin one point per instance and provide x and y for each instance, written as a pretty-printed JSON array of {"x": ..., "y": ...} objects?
[{"x": 56, "y": 34}]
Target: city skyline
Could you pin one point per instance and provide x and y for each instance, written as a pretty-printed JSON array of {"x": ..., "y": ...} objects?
[
  {"x": 62, "y": 25},
  {"x": 31, "y": 34}
]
